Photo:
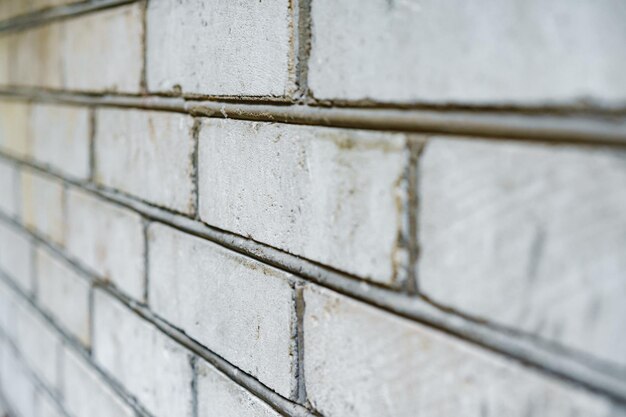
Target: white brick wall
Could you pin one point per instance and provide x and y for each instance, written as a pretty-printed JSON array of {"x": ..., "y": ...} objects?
[
  {"x": 85, "y": 394},
  {"x": 220, "y": 396},
  {"x": 56, "y": 284},
  {"x": 16, "y": 256},
  {"x": 312, "y": 208},
  {"x": 16, "y": 383},
  {"x": 145, "y": 361},
  {"x": 249, "y": 52},
  {"x": 239, "y": 308},
  {"x": 511, "y": 233},
  {"x": 46, "y": 406},
  {"x": 8, "y": 188},
  {"x": 14, "y": 128},
  {"x": 331, "y": 195},
  {"x": 38, "y": 343},
  {"x": 369, "y": 374},
  {"x": 37, "y": 191},
  {"x": 490, "y": 52},
  {"x": 106, "y": 239},
  {"x": 35, "y": 59},
  {"x": 103, "y": 51},
  {"x": 60, "y": 138},
  {"x": 147, "y": 154}
]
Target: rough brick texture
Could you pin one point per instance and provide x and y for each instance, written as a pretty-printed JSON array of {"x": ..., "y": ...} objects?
[
  {"x": 107, "y": 239},
  {"x": 375, "y": 208},
  {"x": 147, "y": 154},
  {"x": 331, "y": 195},
  {"x": 250, "y": 52},
  {"x": 536, "y": 223},
  {"x": 154, "y": 369},
  {"x": 251, "y": 329},
  {"x": 494, "y": 52},
  {"x": 367, "y": 375}
]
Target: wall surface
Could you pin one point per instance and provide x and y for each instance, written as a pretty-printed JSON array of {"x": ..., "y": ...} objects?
[{"x": 377, "y": 208}]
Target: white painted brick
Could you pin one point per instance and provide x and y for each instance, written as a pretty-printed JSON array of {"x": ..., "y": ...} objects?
[
  {"x": 469, "y": 52},
  {"x": 107, "y": 239},
  {"x": 42, "y": 204},
  {"x": 63, "y": 294},
  {"x": 46, "y": 407},
  {"x": 237, "y": 307},
  {"x": 17, "y": 386},
  {"x": 331, "y": 195},
  {"x": 220, "y": 396},
  {"x": 5, "y": 63},
  {"x": 148, "y": 154},
  {"x": 103, "y": 51},
  {"x": 86, "y": 393},
  {"x": 220, "y": 47},
  {"x": 8, "y": 188},
  {"x": 7, "y": 311},
  {"x": 529, "y": 236},
  {"x": 150, "y": 365},
  {"x": 60, "y": 138},
  {"x": 360, "y": 361},
  {"x": 38, "y": 343},
  {"x": 35, "y": 58},
  {"x": 14, "y": 128},
  {"x": 16, "y": 256}
]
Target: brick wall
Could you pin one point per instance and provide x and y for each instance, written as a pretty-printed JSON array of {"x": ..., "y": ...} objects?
[{"x": 312, "y": 208}]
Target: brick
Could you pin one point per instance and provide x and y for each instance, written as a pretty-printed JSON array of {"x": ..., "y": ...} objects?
[
  {"x": 17, "y": 385},
  {"x": 42, "y": 204},
  {"x": 5, "y": 46},
  {"x": 220, "y": 48},
  {"x": 7, "y": 311},
  {"x": 14, "y": 128},
  {"x": 220, "y": 396},
  {"x": 103, "y": 51},
  {"x": 528, "y": 236},
  {"x": 360, "y": 361},
  {"x": 16, "y": 256},
  {"x": 107, "y": 239},
  {"x": 238, "y": 308},
  {"x": 331, "y": 195},
  {"x": 149, "y": 154},
  {"x": 150, "y": 365},
  {"x": 36, "y": 57},
  {"x": 46, "y": 406},
  {"x": 458, "y": 52},
  {"x": 86, "y": 393},
  {"x": 63, "y": 294},
  {"x": 8, "y": 188},
  {"x": 60, "y": 138},
  {"x": 39, "y": 344}
]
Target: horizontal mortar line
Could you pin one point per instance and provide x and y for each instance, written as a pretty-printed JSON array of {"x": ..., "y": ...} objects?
[
  {"x": 41, "y": 17},
  {"x": 70, "y": 341},
  {"x": 584, "y": 129},
  {"x": 238, "y": 376},
  {"x": 545, "y": 356}
]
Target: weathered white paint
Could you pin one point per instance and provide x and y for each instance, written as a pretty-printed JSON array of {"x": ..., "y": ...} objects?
[
  {"x": 488, "y": 52},
  {"x": 335, "y": 196},
  {"x": 237, "y": 307},
  {"x": 530, "y": 236}
]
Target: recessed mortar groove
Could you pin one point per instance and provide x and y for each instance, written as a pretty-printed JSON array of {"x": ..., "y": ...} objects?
[
  {"x": 588, "y": 129},
  {"x": 41, "y": 17}
]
